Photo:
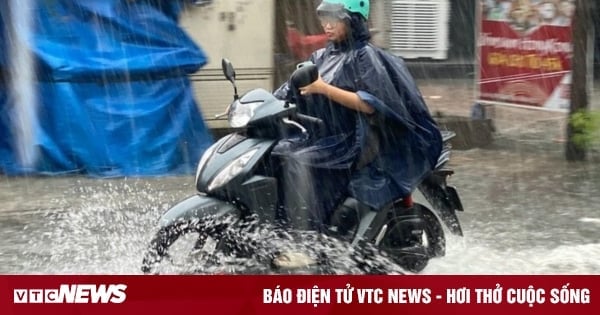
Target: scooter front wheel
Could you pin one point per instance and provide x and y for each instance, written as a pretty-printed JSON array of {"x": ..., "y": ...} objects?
[{"x": 198, "y": 234}]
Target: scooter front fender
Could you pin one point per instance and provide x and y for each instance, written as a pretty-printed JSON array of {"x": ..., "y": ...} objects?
[{"x": 196, "y": 207}]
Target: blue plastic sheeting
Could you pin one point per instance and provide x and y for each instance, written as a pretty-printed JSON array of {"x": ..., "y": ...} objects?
[
  {"x": 111, "y": 132},
  {"x": 76, "y": 40},
  {"x": 115, "y": 99},
  {"x": 6, "y": 152},
  {"x": 3, "y": 42}
]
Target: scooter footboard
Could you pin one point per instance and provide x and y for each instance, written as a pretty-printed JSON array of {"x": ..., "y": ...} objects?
[{"x": 196, "y": 207}]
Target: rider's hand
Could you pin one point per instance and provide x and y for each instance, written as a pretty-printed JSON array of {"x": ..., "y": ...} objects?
[
  {"x": 317, "y": 87},
  {"x": 345, "y": 98}
]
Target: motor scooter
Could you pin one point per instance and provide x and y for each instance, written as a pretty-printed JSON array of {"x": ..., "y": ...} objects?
[{"x": 237, "y": 190}]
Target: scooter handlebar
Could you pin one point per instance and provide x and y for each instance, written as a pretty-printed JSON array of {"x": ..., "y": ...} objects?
[{"x": 305, "y": 119}]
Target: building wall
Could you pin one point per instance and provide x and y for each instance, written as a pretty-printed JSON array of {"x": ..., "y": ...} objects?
[{"x": 239, "y": 30}]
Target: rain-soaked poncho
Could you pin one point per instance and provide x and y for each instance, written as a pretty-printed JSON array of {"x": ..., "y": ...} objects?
[{"x": 408, "y": 139}]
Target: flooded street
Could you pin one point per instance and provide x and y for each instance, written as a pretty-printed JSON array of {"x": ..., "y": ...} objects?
[
  {"x": 525, "y": 214},
  {"x": 527, "y": 210}
]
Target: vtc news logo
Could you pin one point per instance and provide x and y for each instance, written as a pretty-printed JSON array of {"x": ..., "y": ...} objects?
[{"x": 73, "y": 294}]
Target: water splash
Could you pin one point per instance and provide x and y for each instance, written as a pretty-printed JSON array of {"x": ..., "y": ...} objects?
[
  {"x": 22, "y": 81},
  {"x": 106, "y": 229},
  {"x": 469, "y": 256},
  {"x": 103, "y": 233}
]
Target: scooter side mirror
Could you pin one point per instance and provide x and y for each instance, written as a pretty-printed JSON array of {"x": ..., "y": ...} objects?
[
  {"x": 305, "y": 74},
  {"x": 229, "y": 73},
  {"x": 228, "y": 70}
]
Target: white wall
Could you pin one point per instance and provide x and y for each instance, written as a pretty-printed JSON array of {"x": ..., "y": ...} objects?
[{"x": 241, "y": 31}]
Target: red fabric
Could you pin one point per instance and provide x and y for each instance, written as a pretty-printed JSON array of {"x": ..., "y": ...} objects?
[{"x": 302, "y": 45}]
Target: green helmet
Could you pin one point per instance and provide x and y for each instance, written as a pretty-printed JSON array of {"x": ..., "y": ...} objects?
[{"x": 336, "y": 7}]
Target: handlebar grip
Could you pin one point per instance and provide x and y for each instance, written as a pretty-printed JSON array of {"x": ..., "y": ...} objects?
[{"x": 311, "y": 120}]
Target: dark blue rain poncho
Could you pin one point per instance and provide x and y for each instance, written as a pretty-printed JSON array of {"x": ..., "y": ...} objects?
[{"x": 323, "y": 171}]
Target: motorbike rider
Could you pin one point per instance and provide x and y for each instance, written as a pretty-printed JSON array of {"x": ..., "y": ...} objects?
[{"x": 378, "y": 140}]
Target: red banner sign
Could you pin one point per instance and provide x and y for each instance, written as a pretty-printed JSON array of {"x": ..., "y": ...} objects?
[
  {"x": 525, "y": 53},
  {"x": 289, "y": 295}
]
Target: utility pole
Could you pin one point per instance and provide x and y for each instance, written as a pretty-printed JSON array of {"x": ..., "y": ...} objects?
[{"x": 583, "y": 28}]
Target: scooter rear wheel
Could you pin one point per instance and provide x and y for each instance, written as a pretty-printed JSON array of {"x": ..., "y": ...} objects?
[{"x": 412, "y": 248}]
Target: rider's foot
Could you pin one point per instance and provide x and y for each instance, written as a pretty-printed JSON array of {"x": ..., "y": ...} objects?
[
  {"x": 293, "y": 260},
  {"x": 343, "y": 221}
]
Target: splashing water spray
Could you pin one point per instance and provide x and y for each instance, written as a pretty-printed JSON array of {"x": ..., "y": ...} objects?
[{"x": 22, "y": 81}]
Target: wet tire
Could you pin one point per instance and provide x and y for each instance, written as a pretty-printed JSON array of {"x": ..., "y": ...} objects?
[
  {"x": 412, "y": 241},
  {"x": 205, "y": 228}
]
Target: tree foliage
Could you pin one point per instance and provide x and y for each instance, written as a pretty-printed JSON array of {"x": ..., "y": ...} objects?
[{"x": 586, "y": 128}]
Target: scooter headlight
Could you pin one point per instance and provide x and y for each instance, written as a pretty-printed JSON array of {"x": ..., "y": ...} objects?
[
  {"x": 207, "y": 154},
  {"x": 231, "y": 170},
  {"x": 241, "y": 113}
]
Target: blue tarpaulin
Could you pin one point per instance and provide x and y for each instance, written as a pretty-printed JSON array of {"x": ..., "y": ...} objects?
[
  {"x": 114, "y": 96},
  {"x": 3, "y": 42}
]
